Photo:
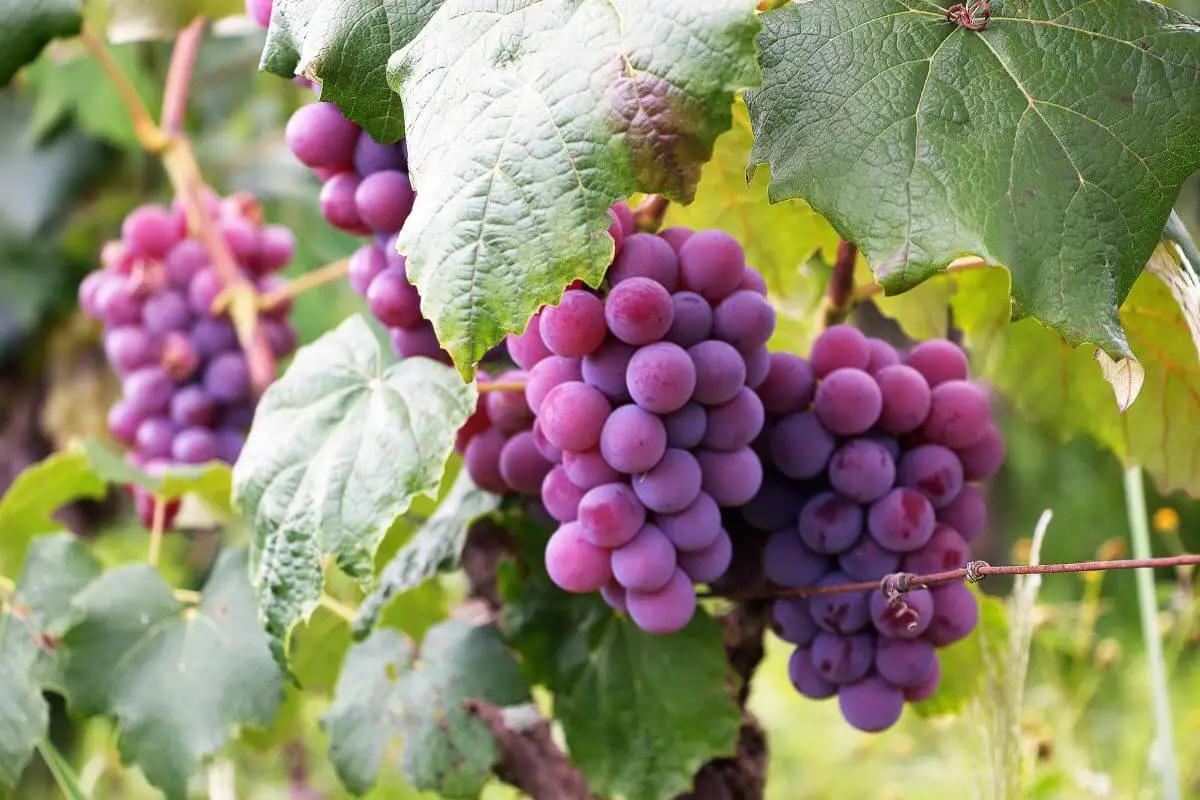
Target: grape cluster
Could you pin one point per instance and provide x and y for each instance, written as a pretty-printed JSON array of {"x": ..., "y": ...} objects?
[
  {"x": 636, "y": 420},
  {"x": 870, "y": 458},
  {"x": 186, "y": 390}
]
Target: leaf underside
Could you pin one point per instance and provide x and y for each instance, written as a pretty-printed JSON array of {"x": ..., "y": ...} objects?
[{"x": 1053, "y": 142}]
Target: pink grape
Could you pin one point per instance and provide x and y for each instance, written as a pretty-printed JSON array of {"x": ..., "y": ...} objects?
[
  {"x": 720, "y": 371},
  {"x": 574, "y": 563},
  {"x": 801, "y": 446},
  {"x": 573, "y": 415},
  {"x": 695, "y": 527},
  {"x": 939, "y": 361},
  {"x": 735, "y": 424},
  {"x": 672, "y": 485},
  {"x": 644, "y": 255},
  {"x": 966, "y": 513},
  {"x": 744, "y": 319},
  {"x": 933, "y": 470},
  {"x": 829, "y": 523},
  {"x": 868, "y": 560},
  {"x": 607, "y": 369},
  {"x": 320, "y": 136},
  {"x": 709, "y": 564},
  {"x": 839, "y": 347},
  {"x": 661, "y": 377},
  {"x": 711, "y": 263},
  {"x": 587, "y": 470},
  {"x": 560, "y": 496},
  {"x": 955, "y": 614},
  {"x": 393, "y": 300},
  {"x": 984, "y": 458},
  {"x": 946, "y": 549},
  {"x": 646, "y": 562},
  {"x": 906, "y": 398},
  {"x": 687, "y": 426},
  {"x": 548, "y": 373},
  {"x": 664, "y": 611},
  {"x": 522, "y": 466},
  {"x": 902, "y": 520},
  {"x": 482, "y": 460},
  {"x": 384, "y": 200},
  {"x": 904, "y": 664},
  {"x": 633, "y": 440},
  {"x": 528, "y": 349},
  {"x": 692, "y": 319},
  {"x": 882, "y": 355},
  {"x": 639, "y": 311},
  {"x": 610, "y": 515},
  {"x": 732, "y": 478},
  {"x": 789, "y": 385},
  {"x": 959, "y": 414},
  {"x": 576, "y": 326},
  {"x": 862, "y": 470},
  {"x": 848, "y": 401}
]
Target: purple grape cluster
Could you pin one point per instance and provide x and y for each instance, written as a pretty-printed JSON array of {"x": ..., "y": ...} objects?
[
  {"x": 186, "y": 391},
  {"x": 870, "y": 459}
]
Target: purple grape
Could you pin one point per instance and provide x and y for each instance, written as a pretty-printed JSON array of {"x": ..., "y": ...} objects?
[
  {"x": 676, "y": 236},
  {"x": 184, "y": 261},
  {"x": 154, "y": 438},
  {"x": 522, "y": 466},
  {"x": 639, "y": 311},
  {"x": 321, "y": 137},
  {"x": 367, "y": 262},
  {"x": 906, "y": 618},
  {"x": 844, "y": 612},
  {"x": 712, "y": 264},
  {"x": 660, "y": 377},
  {"x": 418, "y": 341},
  {"x": 882, "y": 355},
  {"x": 242, "y": 238},
  {"x": 229, "y": 445},
  {"x": 720, "y": 371},
  {"x": 633, "y": 440},
  {"x": 801, "y": 446},
  {"x": 607, "y": 367},
  {"x": 117, "y": 302},
  {"x": 945, "y": 550},
  {"x": 955, "y": 613},
  {"x": 928, "y": 686},
  {"x": 735, "y": 424},
  {"x": 191, "y": 407},
  {"x": 384, "y": 200},
  {"x": 393, "y": 300},
  {"x": 744, "y": 319},
  {"x": 906, "y": 399},
  {"x": 938, "y": 360},
  {"x": 793, "y": 621},
  {"x": 732, "y": 478},
  {"x": 589, "y": 469},
  {"x": 573, "y": 415},
  {"x": 560, "y": 496},
  {"x": 789, "y": 386},
  {"x": 149, "y": 232},
  {"x": 695, "y": 527},
  {"x": 203, "y": 290},
  {"x": 862, "y": 470},
  {"x": 709, "y": 564},
  {"x": 753, "y": 281},
  {"x": 692, "y": 319},
  {"x": 546, "y": 374},
  {"x": 867, "y": 560},
  {"x": 610, "y": 515},
  {"x": 213, "y": 337},
  {"x": 787, "y": 562},
  {"x": 664, "y": 611},
  {"x": 239, "y": 416},
  {"x": 758, "y": 365},
  {"x": 128, "y": 348},
  {"x": 966, "y": 513},
  {"x": 839, "y": 347},
  {"x": 646, "y": 562},
  {"x": 179, "y": 358},
  {"x": 548, "y": 450},
  {"x": 165, "y": 311},
  {"x": 871, "y": 705},
  {"x": 902, "y": 520},
  {"x": 148, "y": 390},
  {"x": 194, "y": 446},
  {"x": 848, "y": 401},
  {"x": 983, "y": 459},
  {"x": 776, "y": 505},
  {"x": 672, "y": 485},
  {"x": 843, "y": 659},
  {"x": 576, "y": 326},
  {"x": 482, "y": 460},
  {"x": 614, "y": 595},
  {"x": 338, "y": 205},
  {"x": 574, "y": 563},
  {"x": 644, "y": 255},
  {"x": 281, "y": 336},
  {"x": 89, "y": 292},
  {"x": 933, "y": 470},
  {"x": 276, "y": 247},
  {"x": 528, "y": 349},
  {"x": 806, "y": 679},
  {"x": 959, "y": 414},
  {"x": 227, "y": 378},
  {"x": 124, "y": 419},
  {"x": 904, "y": 664},
  {"x": 371, "y": 157},
  {"x": 830, "y": 523},
  {"x": 687, "y": 426}
]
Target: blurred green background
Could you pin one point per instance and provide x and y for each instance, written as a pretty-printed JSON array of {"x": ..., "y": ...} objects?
[{"x": 71, "y": 170}]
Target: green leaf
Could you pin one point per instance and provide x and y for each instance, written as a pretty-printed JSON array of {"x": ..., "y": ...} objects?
[
  {"x": 30, "y": 621},
  {"x": 27, "y": 508},
  {"x": 211, "y": 481},
  {"x": 140, "y": 20},
  {"x": 923, "y": 141},
  {"x": 386, "y": 690},
  {"x": 436, "y": 546},
  {"x": 339, "y": 448},
  {"x": 178, "y": 679},
  {"x": 26, "y": 26},
  {"x": 344, "y": 46},
  {"x": 526, "y": 120},
  {"x": 962, "y": 674},
  {"x": 68, "y": 782}
]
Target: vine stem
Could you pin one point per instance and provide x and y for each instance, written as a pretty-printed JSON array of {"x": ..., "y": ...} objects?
[
  {"x": 501, "y": 386},
  {"x": 1163, "y": 753},
  {"x": 973, "y": 572},
  {"x": 149, "y": 135},
  {"x": 344, "y": 611},
  {"x": 648, "y": 216},
  {"x": 839, "y": 295},
  {"x": 303, "y": 283},
  {"x": 964, "y": 264},
  {"x": 179, "y": 75},
  {"x": 157, "y": 523}
]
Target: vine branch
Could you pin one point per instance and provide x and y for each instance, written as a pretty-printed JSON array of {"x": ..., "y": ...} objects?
[
  {"x": 303, "y": 283},
  {"x": 529, "y": 758},
  {"x": 839, "y": 295},
  {"x": 648, "y": 216},
  {"x": 149, "y": 135},
  {"x": 179, "y": 76},
  {"x": 501, "y": 386}
]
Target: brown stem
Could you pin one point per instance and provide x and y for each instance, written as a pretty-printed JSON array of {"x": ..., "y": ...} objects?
[
  {"x": 840, "y": 293},
  {"x": 179, "y": 75},
  {"x": 149, "y": 135},
  {"x": 303, "y": 283},
  {"x": 501, "y": 386},
  {"x": 648, "y": 216},
  {"x": 529, "y": 758}
]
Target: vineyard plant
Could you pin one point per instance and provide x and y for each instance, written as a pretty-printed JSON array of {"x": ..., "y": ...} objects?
[{"x": 582, "y": 399}]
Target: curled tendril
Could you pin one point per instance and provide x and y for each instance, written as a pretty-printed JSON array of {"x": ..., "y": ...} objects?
[
  {"x": 974, "y": 18},
  {"x": 973, "y": 571}
]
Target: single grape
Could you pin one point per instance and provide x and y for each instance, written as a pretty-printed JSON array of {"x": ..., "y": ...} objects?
[
  {"x": 229, "y": 445},
  {"x": 906, "y": 399},
  {"x": 321, "y": 137},
  {"x": 732, "y": 478},
  {"x": 419, "y": 341},
  {"x": 633, "y": 440},
  {"x": 646, "y": 562},
  {"x": 482, "y": 460},
  {"x": 148, "y": 390},
  {"x": 946, "y": 549},
  {"x": 709, "y": 564},
  {"x": 720, "y": 371},
  {"x": 959, "y": 414},
  {"x": 955, "y": 612},
  {"x": 614, "y": 594},
  {"x": 89, "y": 293},
  {"x": 692, "y": 319},
  {"x": 777, "y": 504},
  {"x": 928, "y": 686},
  {"x": 744, "y": 319},
  {"x": 933, "y": 470},
  {"x": 882, "y": 355},
  {"x": 259, "y": 11},
  {"x": 370, "y": 156},
  {"x": 548, "y": 373},
  {"x": 787, "y": 562},
  {"x": 610, "y": 515},
  {"x": 902, "y": 520},
  {"x": 789, "y": 385},
  {"x": 735, "y": 424},
  {"x": 939, "y": 361},
  {"x": 128, "y": 348},
  {"x": 522, "y": 466},
  {"x": 203, "y": 289},
  {"x": 904, "y": 664},
  {"x": 194, "y": 446},
  {"x": 528, "y": 349},
  {"x": 154, "y": 437},
  {"x": 393, "y": 300},
  {"x": 644, "y": 255},
  {"x": 867, "y": 560},
  {"x": 509, "y": 411},
  {"x": 687, "y": 426},
  {"x": 384, "y": 200},
  {"x": 871, "y": 704},
  {"x": 588, "y": 470},
  {"x": 576, "y": 326},
  {"x": 548, "y": 449},
  {"x": 639, "y": 311},
  {"x": 573, "y": 415},
  {"x": 241, "y": 237},
  {"x": 983, "y": 459},
  {"x": 830, "y": 523},
  {"x": 337, "y": 203},
  {"x": 862, "y": 470},
  {"x": 848, "y": 401},
  {"x": 801, "y": 446},
  {"x": 624, "y": 217},
  {"x": 966, "y": 513},
  {"x": 664, "y": 611},
  {"x": 793, "y": 621},
  {"x": 672, "y": 485},
  {"x": 675, "y": 237},
  {"x": 753, "y": 281},
  {"x": 711, "y": 263},
  {"x": 149, "y": 232},
  {"x": 660, "y": 377},
  {"x": 192, "y": 407},
  {"x": 839, "y": 347},
  {"x": 184, "y": 261},
  {"x": 843, "y": 659},
  {"x": 695, "y": 527},
  {"x": 906, "y": 618},
  {"x": 367, "y": 262},
  {"x": 758, "y": 365},
  {"x": 560, "y": 496},
  {"x": 844, "y": 612},
  {"x": 606, "y": 369},
  {"x": 276, "y": 246},
  {"x": 281, "y": 336},
  {"x": 806, "y": 679},
  {"x": 124, "y": 419},
  {"x": 213, "y": 337},
  {"x": 227, "y": 378},
  {"x": 575, "y": 564},
  {"x": 117, "y": 302}
]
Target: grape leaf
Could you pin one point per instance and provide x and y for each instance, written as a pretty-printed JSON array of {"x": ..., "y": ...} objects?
[
  {"x": 436, "y": 546},
  {"x": 344, "y": 46},
  {"x": 386, "y": 691},
  {"x": 211, "y": 481},
  {"x": 139, "y": 20},
  {"x": 26, "y": 26},
  {"x": 177, "y": 678},
  {"x": 339, "y": 448},
  {"x": 526, "y": 120},
  {"x": 923, "y": 141},
  {"x": 57, "y": 568},
  {"x": 27, "y": 508}
]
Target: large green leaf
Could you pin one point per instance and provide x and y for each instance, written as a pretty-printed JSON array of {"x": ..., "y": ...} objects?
[
  {"x": 388, "y": 691},
  {"x": 177, "y": 678},
  {"x": 436, "y": 546},
  {"x": 526, "y": 120},
  {"x": 339, "y": 448},
  {"x": 344, "y": 45},
  {"x": 31, "y": 620},
  {"x": 1053, "y": 142},
  {"x": 211, "y": 481},
  {"x": 27, "y": 25},
  {"x": 27, "y": 508}
]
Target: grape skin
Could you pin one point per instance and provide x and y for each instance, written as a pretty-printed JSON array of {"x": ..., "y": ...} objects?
[
  {"x": 839, "y": 347},
  {"x": 633, "y": 440},
  {"x": 829, "y": 523},
  {"x": 576, "y": 326},
  {"x": 801, "y": 446},
  {"x": 695, "y": 527},
  {"x": 672, "y": 485},
  {"x": 646, "y": 562},
  {"x": 711, "y": 263},
  {"x": 732, "y": 478},
  {"x": 706, "y": 565},
  {"x": 734, "y": 425},
  {"x": 907, "y": 618},
  {"x": 573, "y": 415},
  {"x": 664, "y": 611},
  {"x": 933, "y": 470},
  {"x": 871, "y": 705},
  {"x": 902, "y": 521},
  {"x": 574, "y": 563},
  {"x": 692, "y": 319},
  {"x": 639, "y": 311},
  {"x": 547, "y": 374},
  {"x": 661, "y": 377},
  {"x": 843, "y": 659},
  {"x": 966, "y": 513},
  {"x": 720, "y": 371},
  {"x": 806, "y": 679},
  {"x": 848, "y": 401},
  {"x": 862, "y": 470},
  {"x": 610, "y": 515}
]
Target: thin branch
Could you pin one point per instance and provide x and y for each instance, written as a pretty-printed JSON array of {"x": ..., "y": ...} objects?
[
  {"x": 303, "y": 283},
  {"x": 648, "y": 216},
  {"x": 179, "y": 75},
  {"x": 157, "y": 523},
  {"x": 501, "y": 386},
  {"x": 343, "y": 610},
  {"x": 149, "y": 135},
  {"x": 529, "y": 758},
  {"x": 964, "y": 264},
  {"x": 839, "y": 295}
]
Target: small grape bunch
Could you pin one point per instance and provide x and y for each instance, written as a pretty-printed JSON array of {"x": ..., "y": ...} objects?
[
  {"x": 871, "y": 458},
  {"x": 186, "y": 391}
]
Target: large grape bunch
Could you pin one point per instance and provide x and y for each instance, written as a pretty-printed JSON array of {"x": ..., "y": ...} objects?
[
  {"x": 186, "y": 391},
  {"x": 642, "y": 404},
  {"x": 871, "y": 459}
]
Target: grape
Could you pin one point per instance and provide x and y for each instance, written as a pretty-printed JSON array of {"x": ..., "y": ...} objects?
[
  {"x": 185, "y": 260},
  {"x": 902, "y": 520},
  {"x": 735, "y": 424},
  {"x": 192, "y": 407},
  {"x": 692, "y": 319},
  {"x": 882, "y": 355},
  {"x": 281, "y": 337},
  {"x": 695, "y": 527},
  {"x": 128, "y": 348},
  {"x": 955, "y": 613},
  {"x": 607, "y": 367},
  {"x": 610, "y": 515},
  {"x": 241, "y": 237},
  {"x": 687, "y": 426},
  {"x": 867, "y": 560},
  {"x": 800, "y": 446},
  {"x": 644, "y": 255},
  {"x": 148, "y": 390},
  {"x": 118, "y": 303},
  {"x": 806, "y": 679},
  {"x": 560, "y": 496},
  {"x": 482, "y": 460},
  {"x": 777, "y": 504},
  {"x": 259, "y": 11},
  {"x": 711, "y": 263},
  {"x": 664, "y": 611},
  {"x": 843, "y": 659},
  {"x": 89, "y": 292},
  {"x": 154, "y": 437},
  {"x": 844, "y": 612},
  {"x": 789, "y": 385},
  {"x": 958, "y": 414},
  {"x": 793, "y": 621},
  {"x": 393, "y": 300},
  {"x": 624, "y": 217},
  {"x": 547, "y": 374},
  {"x": 906, "y": 398},
  {"x": 371, "y": 157},
  {"x": 149, "y": 232},
  {"x": 744, "y": 319},
  {"x": 227, "y": 378},
  {"x": 946, "y": 549},
  {"x": 705, "y": 566},
  {"x": 576, "y": 326},
  {"x": 528, "y": 349},
  {"x": 758, "y": 365},
  {"x": 839, "y": 347},
  {"x": 862, "y": 470},
  {"x": 213, "y": 336},
  {"x": 753, "y": 281},
  {"x": 646, "y": 562},
  {"x": 337, "y": 202},
  {"x": 548, "y": 450},
  {"x": 238, "y": 416},
  {"x": 194, "y": 446},
  {"x": 928, "y": 686},
  {"x": 787, "y": 562},
  {"x": 732, "y": 478},
  {"x": 871, "y": 705},
  {"x": 676, "y": 237},
  {"x": 384, "y": 200},
  {"x": 672, "y": 485},
  {"x": 229, "y": 444},
  {"x": 938, "y": 361},
  {"x": 321, "y": 137},
  {"x": 830, "y": 523},
  {"x": 367, "y": 262},
  {"x": 906, "y": 618},
  {"x": 573, "y": 416},
  {"x": 720, "y": 371},
  {"x": 588, "y": 470},
  {"x": 522, "y": 466},
  {"x": 124, "y": 419},
  {"x": 983, "y": 459},
  {"x": 614, "y": 594},
  {"x": 904, "y": 664},
  {"x": 966, "y": 513},
  {"x": 633, "y": 440},
  {"x": 933, "y": 470},
  {"x": 418, "y": 341},
  {"x": 848, "y": 401},
  {"x": 279, "y": 309},
  {"x": 639, "y": 311},
  {"x": 509, "y": 411},
  {"x": 661, "y": 377},
  {"x": 574, "y": 563},
  {"x": 276, "y": 247}
]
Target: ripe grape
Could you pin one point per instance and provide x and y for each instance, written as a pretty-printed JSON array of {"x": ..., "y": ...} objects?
[
  {"x": 672, "y": 485},
  {"x": 610, "y": 515},
  {"x": 732, "y": 478},
  {"x": 574, "y": 563},
  {"x": 800, "y": 446},
  {"x": 843, "y": 659},
  {"x": 687, "y": 426},
  {"x": 862, "y": 470},
  {"x": 938, "y": 361},
  {"x": 829, "y": 523},
  {"x": 904, "y": 664},
  {"x": 587, "y": 470},
  {"x": 789, "y": 385},
  {"x": 945, "y": 550},
  {"x": 646, "y": 562},
  {"x": 548, "y": 373},
  {"x": 804, "y": 676},
  {"x": 705, "y": 566},
  {"x": 711, "y": 264},
  {"x": 934, "y": 470},
  {"x": 720, "y": 371},
  {"x": 848, "y": 401},
  {"x": 633, "y": 440},
  {"x": 666, "y": 610},
  {"x": 839, "y": 347},
  {"x": 607, "y": 367},
  {"x": 955, "y": 613},
  {"x": 734, "y": 425},
  {"x": 906, "y": 398},
  {"x": 393, "y": 300},
  {"x": 639, "y": 311},
  {"x": 906, "y": 618},
  {"x": 644, "y": 255},
  {"x": 661, "y": 377},
  {"x": 744, "y": 319},
  {"x": 902, "y": 520},
  {"x": 793, "y": 621},
  {"x": 966, "y": 513},
  {"x": 576, "y": 326},
  {"x": 787, "y": 562},
  {"x": 573, "y": 416},
  {"x": 695, "y": 527},
  {"x": 958, "y": 415},
  {"x": 522, "y": 466},
  {"x": 321, "y": 137},
  {"x": 692, "y": 319},
  {"x": 560, "y": 496},
  {"x": 871, "y": 704},
  {"x": 983, "y": 459}
]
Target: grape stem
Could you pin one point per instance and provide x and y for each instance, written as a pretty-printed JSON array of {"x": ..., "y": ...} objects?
[
  {"x": 648, "y": 216},
  {"x": 839, "y": 296},
  {"x": 339, "y": 608},
  {"x": 179, "y": 74},
  {"x": 187, "y": 596},
  {"x": 157, "y": 523},
  {"x": 501, "y": 386},
  {"x": 309, "y": 280},
  {"x": 149, "y": 135},
  {"x": 964, "y": 264},
  {"x": 975, "y": 571}
]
